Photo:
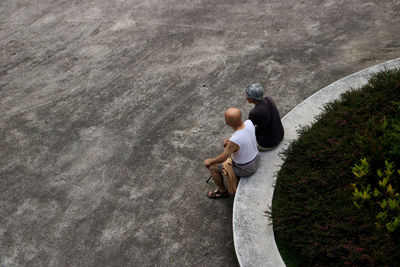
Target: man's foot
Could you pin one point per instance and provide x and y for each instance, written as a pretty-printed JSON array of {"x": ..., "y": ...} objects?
[{"x": 217, "y": 194}]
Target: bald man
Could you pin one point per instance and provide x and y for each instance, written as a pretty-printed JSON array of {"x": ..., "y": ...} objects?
[{"x": 241, "y": 147}]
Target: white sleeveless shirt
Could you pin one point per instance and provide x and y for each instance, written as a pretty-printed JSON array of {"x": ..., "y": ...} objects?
[{"x": 246, "y": 140}]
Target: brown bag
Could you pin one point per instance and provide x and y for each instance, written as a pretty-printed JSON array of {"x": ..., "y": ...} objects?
[{"x": 227, "y": 170}]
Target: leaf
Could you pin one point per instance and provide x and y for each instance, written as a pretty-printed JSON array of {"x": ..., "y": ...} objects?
[
  {"x": 393, "y": 225},
  {"x": 388, "y": 168},
  {"x": 362, "y": 169},
  {"x": 366, "y": 195},
  {"x": 381, "y": 215},
  {"x": 383, "y": 204},
  {"x": 376, "y": 192},
  {"x": 390, "y": 227},
  {"x": 390, "y": 189},
  {"x": 384, "y": 182},
  {"x": 384, "y": 123},
  {"x": 393, "y": 204},
  {"x": 356, "y": 193}
]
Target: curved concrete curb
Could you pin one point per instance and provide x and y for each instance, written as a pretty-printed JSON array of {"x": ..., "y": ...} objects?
[{"x": 253, "y": 236}]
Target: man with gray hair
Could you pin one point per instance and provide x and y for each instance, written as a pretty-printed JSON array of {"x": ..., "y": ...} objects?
[{"x": 265, "y": 117}]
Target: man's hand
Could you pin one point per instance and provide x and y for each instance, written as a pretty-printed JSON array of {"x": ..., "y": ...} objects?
[
  {"x": 225, "y": 142},
  {"x": 229, "y": 149},
  {"x": 207, "y": 163}
]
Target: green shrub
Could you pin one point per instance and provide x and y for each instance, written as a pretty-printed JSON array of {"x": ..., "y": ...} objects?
[
  {"x": 314, "y": 212},
  {"x": 383, "y": 200}
]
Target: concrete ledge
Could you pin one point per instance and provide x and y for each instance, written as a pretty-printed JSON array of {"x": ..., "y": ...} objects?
[{"x": 253, "y": 236}]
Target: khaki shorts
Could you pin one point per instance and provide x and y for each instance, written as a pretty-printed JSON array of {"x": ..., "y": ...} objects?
[{"x": 260, "y": 148}]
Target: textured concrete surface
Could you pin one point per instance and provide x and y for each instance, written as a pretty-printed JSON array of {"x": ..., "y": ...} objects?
[
  {"x": 108, "y": 109},
  {"x": 254, "y": 242}
]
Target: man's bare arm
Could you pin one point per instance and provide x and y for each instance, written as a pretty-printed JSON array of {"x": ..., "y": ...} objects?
[{"x": 229, "y": 149}]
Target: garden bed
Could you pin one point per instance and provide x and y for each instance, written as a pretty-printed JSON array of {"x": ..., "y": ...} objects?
[{"x": 318, "y": 214}]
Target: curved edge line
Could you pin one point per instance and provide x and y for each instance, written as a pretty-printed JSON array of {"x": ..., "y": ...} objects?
[{"x": 256, "y": 246}]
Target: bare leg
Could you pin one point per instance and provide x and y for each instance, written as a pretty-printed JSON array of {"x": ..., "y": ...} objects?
[{"x": 217, "y": 177}]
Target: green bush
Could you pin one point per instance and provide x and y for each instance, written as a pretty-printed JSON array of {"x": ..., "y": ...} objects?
[
  {"x": 383, "y": 200},
  {"x": 315, "y": 218}
]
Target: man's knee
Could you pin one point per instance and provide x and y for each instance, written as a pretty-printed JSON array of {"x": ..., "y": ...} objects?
[{"x": 214, "y": 168}]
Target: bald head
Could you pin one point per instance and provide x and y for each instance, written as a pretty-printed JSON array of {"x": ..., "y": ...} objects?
[{"x": 233, "y": 117}]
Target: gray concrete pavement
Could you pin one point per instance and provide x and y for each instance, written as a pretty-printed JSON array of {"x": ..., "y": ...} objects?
[{"x": 108, "y": 108}]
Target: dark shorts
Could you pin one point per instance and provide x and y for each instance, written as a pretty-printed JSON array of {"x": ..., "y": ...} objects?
[{"x": 244, "y": 170}]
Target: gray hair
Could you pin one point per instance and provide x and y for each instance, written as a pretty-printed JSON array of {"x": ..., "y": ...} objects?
[{"x": 255, "y": 91}]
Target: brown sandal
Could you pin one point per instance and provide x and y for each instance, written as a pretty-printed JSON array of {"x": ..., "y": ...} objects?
[{"x": 217, "y": 194}]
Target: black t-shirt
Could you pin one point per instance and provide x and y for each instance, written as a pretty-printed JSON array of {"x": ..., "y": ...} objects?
[{"x": 269, "y": 129}]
